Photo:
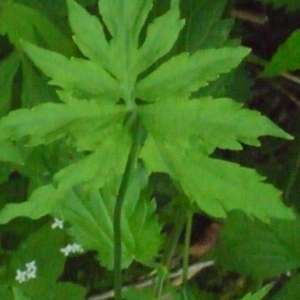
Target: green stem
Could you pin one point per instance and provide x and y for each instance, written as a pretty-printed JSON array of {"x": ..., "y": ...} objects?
[
  {"x": 169, "y": 251},
  {"x": 138, "y": 139},
  {"x": 187, "y": 242}
]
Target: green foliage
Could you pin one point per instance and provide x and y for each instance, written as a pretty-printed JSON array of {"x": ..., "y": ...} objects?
[
  {"x": 263, "y": 250},
  {"x": 131, "y": 104},
  {"x": 258, "y": 295},
  {"x": 289, "y": 290},
  {"x": 291, "y": 5},
  {"x": 91, "y": 216},
  {"x": 286, "y": 57}
]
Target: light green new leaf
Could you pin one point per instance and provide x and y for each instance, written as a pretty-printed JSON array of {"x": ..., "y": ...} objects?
[
  {"x": 8, "y": 69},
  {"x": 83, "y": 77},
  {"x": 41, "y": 202},
  {"x": 286, "y": 58},
  {"x": 261, "y": 250},
  {"x": 260, "y": 294},
  {"x": 89, "y": 35},
  {"x": 221, "y": 122},
  {"x": 185, "y": 73},
  {"x": 98, "y": 167},
  {"x": 216, "y": 186},
  {"x": 155, "y": 46},
  {"x": 91, "y": 219},
  {"x": 48, "y": 122}
]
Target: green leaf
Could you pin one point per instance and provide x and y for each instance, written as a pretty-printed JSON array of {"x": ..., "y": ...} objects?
[
  {"x": 23, "y": 22},
  {"x": 138, "y": 293},
  {"x": 35, "y": 89},
  {"x": 204, "y": 27},
  {"x": 84, "y": 78},
  {"x": 185, "y": 73},
  {"x": 42, "y": 247},
  {"x": 85, "y": 31},
  {"x": 10, "y": 152},
  {"x": 6, "y": 293},
  {"x": 41, "y": 202},
  {"x": 68, "y": 290},
  {"x": 8, "y": 69},
  {"x": 18, "y": 294},
  {"x": 235, "y": 85},
  {"x": 100, "y": 166},
  {"x": 221, "y": 122},
  {"x": 121, "y": 18},
  {"x": 260, "y": 294},
  {"x": 286, "y": 58},
  {"x": 290, "y": 290},
  {"x": 48, "y": 122},
  {"x": 154, "y": 46},
  {"x": 91, "y": 218},
  {"x": 124, "y": 22},
  {"x": 251, "y": 247},
  {"x": 217, "y": 186}
]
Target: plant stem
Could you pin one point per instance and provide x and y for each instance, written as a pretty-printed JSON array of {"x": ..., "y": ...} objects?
[
  {"x": 139, "y": 135},
  {"x": 187, "y": 241},
  {"x": 169, "y": 251}
]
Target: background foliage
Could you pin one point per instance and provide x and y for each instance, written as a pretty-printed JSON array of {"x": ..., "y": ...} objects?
[{"x": 59, "y": 157}]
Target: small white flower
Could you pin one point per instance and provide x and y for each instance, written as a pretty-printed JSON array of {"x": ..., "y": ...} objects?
[
  {"x": 71, "y": 248},
  {"x": 31, "y": 266},
  {"x": 57, "y": 224},
  {"x": 67, "y": 250},
  {"x": 77, "y": 248},
  {"x": 21, "y": 276},
  {"x": 29, "y": 273},
  {"x": 31, "y": 270}
]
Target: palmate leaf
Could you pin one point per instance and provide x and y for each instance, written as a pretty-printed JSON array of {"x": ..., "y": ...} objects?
[
  {"x": 286, "y": 58},
  {"x": 216, "y": 186},
  {"x": 185, "y": 73},
  {"x": 261, "y": 250},
  {"x": 221, "y": 122},
  {"x": 48, "y": 122},
  {"x": 90, "y": 214},
  {"x": 121, "y": 54},
  {"x": 85, "y": 78}
]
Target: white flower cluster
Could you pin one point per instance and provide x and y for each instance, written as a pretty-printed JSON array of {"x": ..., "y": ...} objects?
[
  {"x": 71, "y": 248},
  {"x": 28, "y": 274},
  {"x": 57, "y": 224}
]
